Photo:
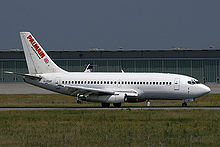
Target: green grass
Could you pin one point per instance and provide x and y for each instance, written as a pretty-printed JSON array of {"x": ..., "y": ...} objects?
[
  {"x": 58, "y": 100},
  {"x": 110, "y": 128},
  {"x": 107, "y": 128}
]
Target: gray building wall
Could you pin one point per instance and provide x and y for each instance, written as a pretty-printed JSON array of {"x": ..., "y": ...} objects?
[{"x": 201, "y": 64}]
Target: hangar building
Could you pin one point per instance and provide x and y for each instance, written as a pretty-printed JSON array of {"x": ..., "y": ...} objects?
[{"x": 203, "y": 64}]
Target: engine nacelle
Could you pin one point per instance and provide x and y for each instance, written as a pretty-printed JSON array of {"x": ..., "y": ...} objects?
[{"x": 117, "y": 98}]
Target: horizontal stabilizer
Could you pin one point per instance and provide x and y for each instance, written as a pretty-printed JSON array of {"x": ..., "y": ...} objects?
[{"x": 23, "y": 75}]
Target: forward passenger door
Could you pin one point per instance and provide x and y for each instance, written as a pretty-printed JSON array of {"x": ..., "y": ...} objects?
[{"x": 177, "y": 84}]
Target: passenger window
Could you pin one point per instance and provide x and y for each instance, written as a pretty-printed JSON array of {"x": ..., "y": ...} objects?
[
  {"x": 91, "y": 82},
  {"x": 88, "y": 82},
  {"x": 107, "y": 82},
  {"x": 160, "y": 83},
  {"x": 94, "y": 82},
  {"x": 150, "y": 83},
  {"x": 137, "y": 82},
  {"x": 128, "y": 82},
  {"x": 170, "y": 83},
  {"x": 81, "y": 82},
  {"x": 104, "y": 82},
  {"x": 134, "y": 82},
  {"x": 156, "y": 83},
  {"x": 153, "y": 83},
  {"x": 140, "y": 82},
  {"x": 115, "y": 82},
  {"x": 97, "y": 82},
  {"x": 100, "y": 82},
  {"x": 122, "y": 82},
  {"x": 131, "y": 82},
  {"x": 85, "y": 82},
  {"x": 143, "y": 82},
  {"x": 163, "y": 83},
  {"x": 62, "y": 82},
  {"x": 166, "y": 83}
]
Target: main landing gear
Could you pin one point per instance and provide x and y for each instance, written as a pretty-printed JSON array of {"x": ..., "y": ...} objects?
[
  {"x": 78, "y": 100},
  {"x": 107, "y": 105},
  {"x": 117, "y": 105},
  {"x": 184, "y": 104}
]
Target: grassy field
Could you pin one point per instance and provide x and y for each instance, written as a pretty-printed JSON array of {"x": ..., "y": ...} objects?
[
  {"x": 110, "y": 128},
  {"x": 107, "y": 127},
  {"x": 58, "y": 100}
]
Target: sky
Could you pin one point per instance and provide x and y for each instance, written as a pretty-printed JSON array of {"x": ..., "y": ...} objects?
[{"x": 111, "y": 24}]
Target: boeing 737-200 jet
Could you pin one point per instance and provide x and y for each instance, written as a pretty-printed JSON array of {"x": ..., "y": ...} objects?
[{"x": 105, "y": 87}]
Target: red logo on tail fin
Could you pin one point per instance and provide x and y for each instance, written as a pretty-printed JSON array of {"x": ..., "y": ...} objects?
[{"x": 36, "y": 46}]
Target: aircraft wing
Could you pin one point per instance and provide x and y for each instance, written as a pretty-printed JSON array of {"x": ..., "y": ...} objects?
[
  {"x": 93, "y": 91},
  {"x": 87, "y": 91}
]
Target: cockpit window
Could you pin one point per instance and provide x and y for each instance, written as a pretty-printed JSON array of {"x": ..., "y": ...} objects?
[{"x": 192, "y": 82}]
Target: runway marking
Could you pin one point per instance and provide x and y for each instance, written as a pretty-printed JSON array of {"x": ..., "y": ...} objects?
[{"x": 123, "y": 108}]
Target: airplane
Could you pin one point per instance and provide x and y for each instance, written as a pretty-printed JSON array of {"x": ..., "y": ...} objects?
[{"x": 105, "y": 87}]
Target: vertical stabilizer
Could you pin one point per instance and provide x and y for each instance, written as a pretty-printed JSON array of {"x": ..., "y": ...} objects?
[{"x": 38, "y": 61}]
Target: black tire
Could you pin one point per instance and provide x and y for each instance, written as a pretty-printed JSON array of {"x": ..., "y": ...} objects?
[
  {"x": 117, "y": 105},
  {"x": 105, "y": 105},
  {"x": 184, "y": 104}
]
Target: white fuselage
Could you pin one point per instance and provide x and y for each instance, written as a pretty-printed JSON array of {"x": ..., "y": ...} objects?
[{"x": 147, "y": 85}]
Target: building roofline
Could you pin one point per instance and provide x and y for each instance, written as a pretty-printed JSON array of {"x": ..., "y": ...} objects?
[{"x": 121, "y": 50}]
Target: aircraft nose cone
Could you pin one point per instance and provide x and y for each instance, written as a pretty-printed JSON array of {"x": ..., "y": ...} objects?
[{"x": 206, "y": 89}]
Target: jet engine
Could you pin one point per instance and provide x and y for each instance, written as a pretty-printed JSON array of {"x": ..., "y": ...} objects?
[{"x": 116, "y": 98}]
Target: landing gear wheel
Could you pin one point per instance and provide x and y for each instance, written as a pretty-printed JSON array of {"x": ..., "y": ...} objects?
[
  {"x": 184, "y": 104},
  {"x": 78, "y": 100},
  {"x": 105, "y": 105},
  {"x": 117, "y": 105},
  {"x": 148, "y": 103}
]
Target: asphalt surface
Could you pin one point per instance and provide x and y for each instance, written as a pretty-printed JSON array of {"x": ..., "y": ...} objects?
[{"x": 123, "y": 108}]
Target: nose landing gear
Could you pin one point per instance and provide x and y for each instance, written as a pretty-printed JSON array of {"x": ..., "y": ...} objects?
[{"x": 184, "y": 104}]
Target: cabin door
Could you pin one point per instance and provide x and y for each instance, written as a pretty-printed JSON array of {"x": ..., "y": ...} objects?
[
  {"x": 177, "y": 84},
  {"x": 57, "y": 82}
]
